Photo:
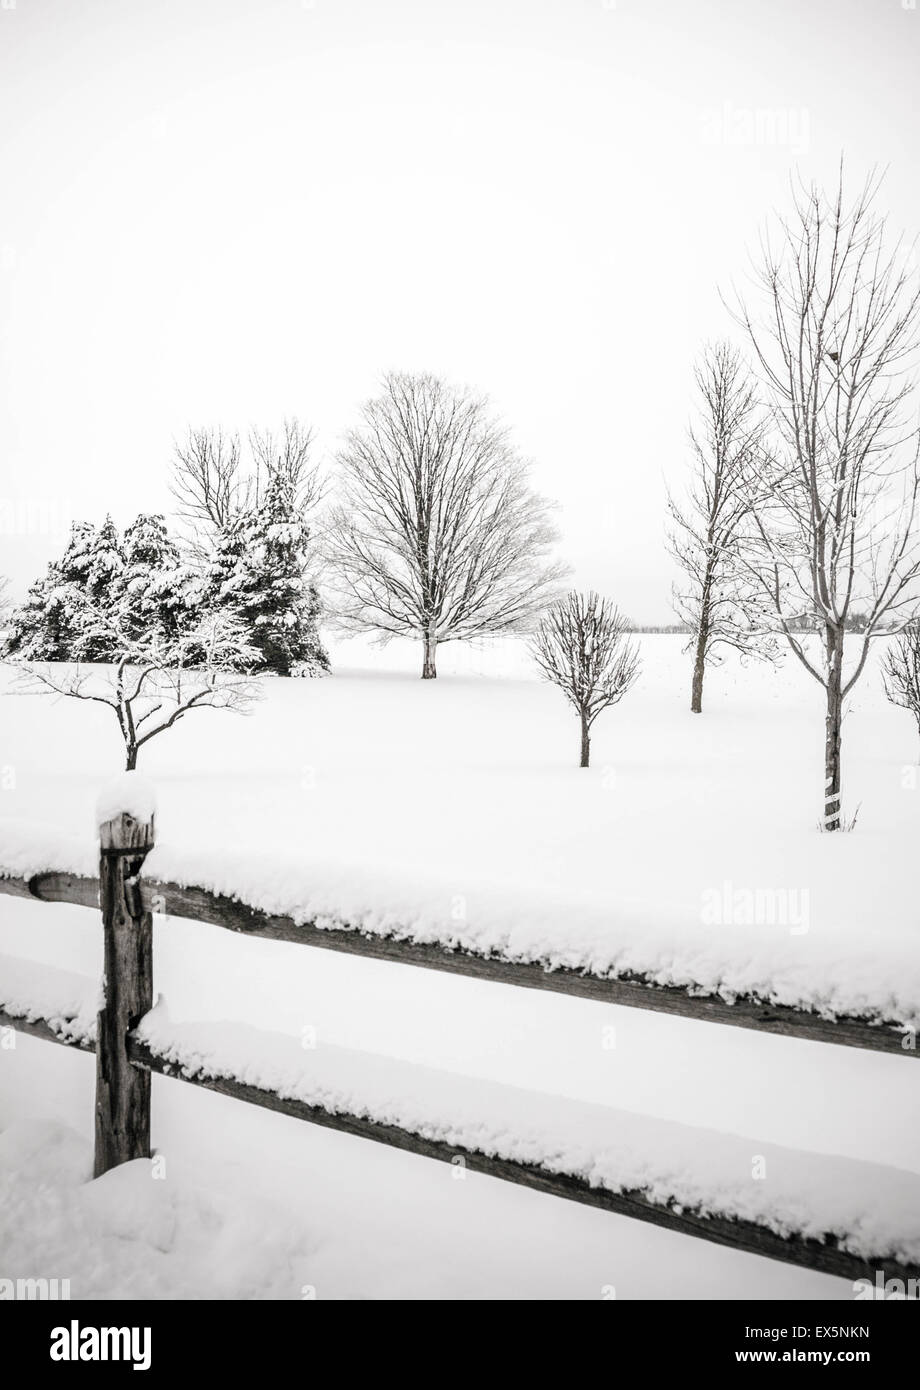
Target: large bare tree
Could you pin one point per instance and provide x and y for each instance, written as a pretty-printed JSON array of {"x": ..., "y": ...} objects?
[
  {"x": 581, "y": 646},
  {"x": 834, "y": 493},
  {"x": 718, "y": 598},
  {"x": 437, "y": 533}
]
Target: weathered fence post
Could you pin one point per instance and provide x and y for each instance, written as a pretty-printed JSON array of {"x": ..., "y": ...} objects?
[{"x": 122, "y": 1091}]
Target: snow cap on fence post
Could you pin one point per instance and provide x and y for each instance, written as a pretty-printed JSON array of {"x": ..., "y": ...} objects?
[{"x": 125, "y": 813}]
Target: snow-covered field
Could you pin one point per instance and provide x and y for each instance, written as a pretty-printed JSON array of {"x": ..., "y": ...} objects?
[{"x": 457, "y": 808}]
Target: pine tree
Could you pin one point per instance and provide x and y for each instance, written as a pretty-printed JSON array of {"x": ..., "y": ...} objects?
[
  {"x": 105, "y": 592},
  {"x": 40, "y": 628},
  {"x": 58, "y": 620},
  {"x": 258, "y": 572},
  {"x": 93, "y": 572},
  {"x": 154, "y": 590}
]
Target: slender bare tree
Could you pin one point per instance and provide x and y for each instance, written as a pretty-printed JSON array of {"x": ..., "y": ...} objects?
[
  {"x": 581, "y": 646},
  {"x": 153, "y": 682},
  {"x": 436, "y": 533},
  {"x": 718, "y": 598},
  {"x": 901, "y": 671},
  {"x": 834, "y": 492}
]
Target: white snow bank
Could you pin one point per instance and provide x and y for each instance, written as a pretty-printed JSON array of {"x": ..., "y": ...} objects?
[
  {"x": 128, "y": 794},
  {"x": 873, "y": 1211},
  {"x": 136, "y": 1232},
  {"x": 834, "y": 971}
]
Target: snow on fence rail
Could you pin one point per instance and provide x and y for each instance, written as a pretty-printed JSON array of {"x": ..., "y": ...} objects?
[
  {"x": 631, "y": 991},
  {"x": 829, "y": 1214},
  {"x": 851, "y": 982},
  {"x": 694, "y": 1181}
]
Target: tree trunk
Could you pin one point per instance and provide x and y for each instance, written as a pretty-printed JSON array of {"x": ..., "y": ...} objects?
[
  {"x": 702, "y": 642},
  {"x": 429, "y": 669},
  {"x": 699, "y": 670},
  {"x": 130, "y": 757},
  {"x": 832, "y": 724},
  {"x": 122, "y": 1091},
  {"x": 585, "y": 742}
]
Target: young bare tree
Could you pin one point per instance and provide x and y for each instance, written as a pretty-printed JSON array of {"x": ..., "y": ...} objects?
[
  {"x": 437, "y": 534},
  {"x": 834, "y": 491},
  {"x": 153, "y": 682},
  {"x": 581, "y": 646},
  {"x": 718, "y": 599},
  {"x": 901, "y": 671}
]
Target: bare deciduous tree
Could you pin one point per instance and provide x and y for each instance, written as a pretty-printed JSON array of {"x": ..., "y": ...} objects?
[
  {"x": 154, "y": 682},
  {"x": 288, "y": 456},
  {"x": 718, "y": 599},
  {"x": 207, "y": 479},
  {"x": 213, "y": 482},
  {"x": 834, "y": 494},
  {"x": 437, "y": 534},
  {"x": 901, "y": 671},
  {"x": 581, "y": 646}
]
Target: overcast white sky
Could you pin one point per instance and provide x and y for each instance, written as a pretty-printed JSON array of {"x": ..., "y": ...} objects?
[{"x": 229, "y": 211}]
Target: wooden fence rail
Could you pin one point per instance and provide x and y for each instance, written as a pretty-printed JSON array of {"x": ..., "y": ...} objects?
[
  {"x": 824, "y": 1257},
  {"x": 124, "y": 1064},
  {"x": 631, "y": 992}
]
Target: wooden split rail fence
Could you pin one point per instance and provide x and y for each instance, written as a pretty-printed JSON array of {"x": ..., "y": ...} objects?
[{"x": 124, "y": 1064}]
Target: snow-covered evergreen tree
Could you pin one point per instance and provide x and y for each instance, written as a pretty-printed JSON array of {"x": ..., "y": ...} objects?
[
  {"x": 155, "y": 593},
  {"x": 41, "y": 629},
  {"x": 58, "y": 620},
  {"x": 258, "y": 573},
  {"x": 106, "y": 593},
  {"x": 104, "y": 586}
]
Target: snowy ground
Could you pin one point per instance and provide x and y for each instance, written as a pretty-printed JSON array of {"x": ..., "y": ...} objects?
[{"x": 463, "y": 796}]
